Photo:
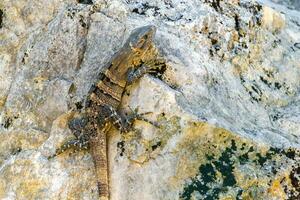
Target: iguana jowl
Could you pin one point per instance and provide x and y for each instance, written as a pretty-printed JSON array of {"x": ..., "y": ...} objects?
[{"x": 134, "y": 59}]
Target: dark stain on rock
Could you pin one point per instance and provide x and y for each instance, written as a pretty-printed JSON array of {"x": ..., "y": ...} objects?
[
  {"x": 257, "y": 99},
  {"x": 297, "y": 45},
  {"x": 207, "y": 175},
  {"x": 210, "y": 187},
  {"x": 83, "y": 22},
  {"x": 265, "y": 81},
  {"x": 261, "y": 160},
  {"x": 175, "y": 18},
  {"x": 295, "y": 22},
  {"x": 255, "y": 92},
  {"x": 1, "y": 18},
  {"x": 155, "y": 146},
  {"x": 142, "y": 9},
  {"x": 244, "y": 158},
  {"x": 211, "y": 52},
  {"x": 242, "y": 79},
  {"x": 137, "y": 11},
  {"x": 24, "y": 59},
  {"x": 277, "y": 85},
  {"x": 290, "y": 153},
  {"x": 239, "y": 195},
  {"x": 7, "y": 122},
  {"x": 71, "y": 12},
  {"x": 275, "y": 117},
  {"x": 276, "y": 43},
  {"x": 237, "y": 24},
  {"x": 295, "y": 180},
  {"x": 121, "y": 147},
  {"x": 215, "y": 4},
  {"x": 256, "y": 9},
  {"x": 90, "y": 2},
  {"x": 256, "y": 89},
  {"x": 225, "y": 165},
  {"x": 200, "y": 183},
  {"x": 16, "y": 151},
  {"x": 79, "y": 105}
]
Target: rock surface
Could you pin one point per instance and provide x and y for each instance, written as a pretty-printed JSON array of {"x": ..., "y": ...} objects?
[{"x": 227, "y": 104}]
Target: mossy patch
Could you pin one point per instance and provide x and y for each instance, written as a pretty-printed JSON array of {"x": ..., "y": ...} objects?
[{"x": 217, "y": 164}]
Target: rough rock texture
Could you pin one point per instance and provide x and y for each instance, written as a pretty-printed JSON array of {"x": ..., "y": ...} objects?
[
  {"x": 291, "y": 4},
  {"x": 227, "y": 104}
]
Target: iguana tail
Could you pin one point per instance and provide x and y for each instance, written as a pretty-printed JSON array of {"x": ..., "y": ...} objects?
[{"x": 98, "y": 149}]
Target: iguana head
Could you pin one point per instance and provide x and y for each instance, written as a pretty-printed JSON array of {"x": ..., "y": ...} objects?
[
  {"x": 141, "y": 38},
  {"x": 131, "y": 55}
]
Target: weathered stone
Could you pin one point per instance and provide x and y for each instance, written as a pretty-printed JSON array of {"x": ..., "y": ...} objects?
[
  {"x": 5, "y": 77},
  {"x": 226, "y": 105},
  {"x": 272, "y": 20}
]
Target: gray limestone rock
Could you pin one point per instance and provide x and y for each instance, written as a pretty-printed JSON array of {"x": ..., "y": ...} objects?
[{"x": 227, "y": 105}]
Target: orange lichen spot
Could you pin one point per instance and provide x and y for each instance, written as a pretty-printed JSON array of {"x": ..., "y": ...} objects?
[
  {"x": 241, "y": 64},
  {"x": 2, "y": 101},
  {"x": 39, "y": 82},
  {"x": 2, "y": 189},
  {"x": 276, "y": 190}
]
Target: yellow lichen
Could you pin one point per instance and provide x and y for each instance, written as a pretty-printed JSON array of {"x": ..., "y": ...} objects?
[
  {"x": 241, "y": 64},
  {"x": 276, "y": 190},
  {"x": 2, "y": 189},
  {"x": 30, "y": 187},
  {"x": 272, "y": 20},
  {"x": 39, "y": 82},
  {"x": 196, "y": 143},
  {"x": 2, "y": 101}
]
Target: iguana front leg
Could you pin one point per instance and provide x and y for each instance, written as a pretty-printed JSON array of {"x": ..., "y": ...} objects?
[
  {"x": 121, "y": 121},
  {"x": 148, "y": 67}
]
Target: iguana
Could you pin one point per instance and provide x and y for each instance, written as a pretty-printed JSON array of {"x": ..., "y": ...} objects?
[{"x": 137, "y": 57}]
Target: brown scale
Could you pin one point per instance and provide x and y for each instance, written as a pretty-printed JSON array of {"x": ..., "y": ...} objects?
[
  {"x": 113, "y": 78},
  {"x": 98, "y": 148},
  {"x": 101, "y": 98},
  {"x": 114, "y": 90}
]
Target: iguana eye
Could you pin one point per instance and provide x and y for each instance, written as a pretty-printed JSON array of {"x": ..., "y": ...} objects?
[
  {"x": 145, "y": 37},
  {"x": 141, "y": 43}
]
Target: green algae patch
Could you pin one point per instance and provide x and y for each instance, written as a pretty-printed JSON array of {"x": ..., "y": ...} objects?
[{"x": 216, "y": 164}]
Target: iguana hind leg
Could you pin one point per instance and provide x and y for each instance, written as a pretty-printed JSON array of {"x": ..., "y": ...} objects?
[
  {"x": 80, "y": 142},
  {"x": 77, "y": 126},
  {"x": 76, "y": 144}
]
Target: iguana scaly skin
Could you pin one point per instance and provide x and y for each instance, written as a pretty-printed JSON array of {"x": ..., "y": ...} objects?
[{"x": 134, "y": 59}]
